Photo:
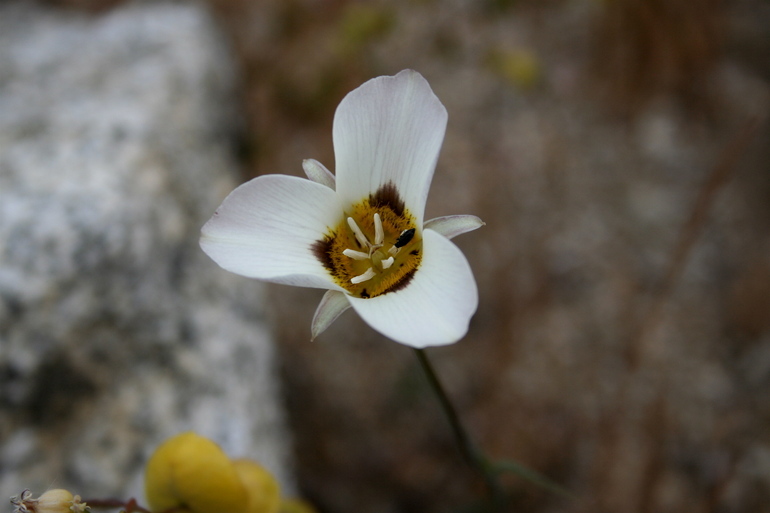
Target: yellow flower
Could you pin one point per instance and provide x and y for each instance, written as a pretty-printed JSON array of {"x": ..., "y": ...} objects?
[
  {"x": 296, "y": 506},
  {"x": 192, "y": 473},
  {"x": 262, "y": 488}
]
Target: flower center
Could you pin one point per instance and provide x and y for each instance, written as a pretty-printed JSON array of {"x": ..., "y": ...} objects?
[{"x": 375, "y": 249}]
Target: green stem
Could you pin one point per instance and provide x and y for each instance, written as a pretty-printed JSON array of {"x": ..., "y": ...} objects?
[{"x": 470, "y": 452}]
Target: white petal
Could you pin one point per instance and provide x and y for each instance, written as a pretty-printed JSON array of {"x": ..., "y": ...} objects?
[
  {"x": 389, "y": 131},
  {"x": 265, "y": 229},
  {"x": 435, "y": 307},
  {"x": 331, "y": 306},
  {"x": 318, "y": 173},
  {"x": 452, "y": 226}
]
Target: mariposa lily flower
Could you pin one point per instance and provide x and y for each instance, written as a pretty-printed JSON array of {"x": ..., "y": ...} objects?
[{"x": 361, "y": 235}]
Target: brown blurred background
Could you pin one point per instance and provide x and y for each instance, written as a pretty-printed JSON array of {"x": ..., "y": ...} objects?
[{"x": 618, "y": 152}]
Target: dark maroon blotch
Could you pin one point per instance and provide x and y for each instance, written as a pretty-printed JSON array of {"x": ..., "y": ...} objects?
[
  {"x": 387, "y": 196},
  {"x": 322, "y": 251},
  {"x": 403, "y": 282}
]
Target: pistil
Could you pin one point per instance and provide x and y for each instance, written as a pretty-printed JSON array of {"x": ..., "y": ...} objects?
[
  {"x": 374, "y": 249},
  {"x": 373, "y": 252}
]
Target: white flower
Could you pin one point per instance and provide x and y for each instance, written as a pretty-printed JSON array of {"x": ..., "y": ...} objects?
[{"x": 365, "y": 241}]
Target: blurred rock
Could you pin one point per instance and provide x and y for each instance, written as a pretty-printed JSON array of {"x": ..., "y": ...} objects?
[{"x": 115, "y": 330}]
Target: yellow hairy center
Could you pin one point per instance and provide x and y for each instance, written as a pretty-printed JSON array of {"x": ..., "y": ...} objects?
[{"x": 375, "y": 248}]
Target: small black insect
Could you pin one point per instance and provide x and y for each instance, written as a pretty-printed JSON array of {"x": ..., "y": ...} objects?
[{"x": 404, "y": 238}]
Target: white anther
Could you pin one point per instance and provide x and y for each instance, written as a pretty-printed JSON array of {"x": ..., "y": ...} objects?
[
  {"x": 394, "y": 250},
  {"x": 379, "y": 233},
  {"x": 387, "y": 263},
  {"x": 368, "y": 275},
  {"x": 355, "y": 255},
  {"x": 358, "y": 233}
]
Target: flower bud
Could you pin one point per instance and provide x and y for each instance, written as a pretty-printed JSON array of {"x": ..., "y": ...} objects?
[
  {"x": 55, "y": 501},
  {"x": 192, "y": 474},
  {"x": 52, "y": 501}
]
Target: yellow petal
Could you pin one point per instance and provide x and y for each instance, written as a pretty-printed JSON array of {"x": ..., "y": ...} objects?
[
  {"x": 262, "y": 488},
  {"x": 296, "y": 506},
  {"x": 192, "y": 473}
]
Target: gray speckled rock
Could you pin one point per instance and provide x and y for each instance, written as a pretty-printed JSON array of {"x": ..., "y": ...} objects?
[{"x": 115, "y": 330}]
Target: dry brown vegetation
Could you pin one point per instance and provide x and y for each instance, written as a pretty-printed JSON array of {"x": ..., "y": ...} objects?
[{"x": 618, "y": 152}]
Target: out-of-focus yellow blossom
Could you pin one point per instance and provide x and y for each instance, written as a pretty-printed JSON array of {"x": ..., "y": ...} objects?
[
  {"x": 192, "y": 473},
  {"x": 519, "y": 67},
  {"x": 296, "y": 506},
  {"x": 363, "y": 23},
  {"x": 262, "y": 488}
]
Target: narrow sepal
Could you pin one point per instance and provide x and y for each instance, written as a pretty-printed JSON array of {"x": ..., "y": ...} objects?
[
  {"x": 332, "y": 305},
  {"x": 318, "y": 173},
  {"x": 452, "y": 226}
]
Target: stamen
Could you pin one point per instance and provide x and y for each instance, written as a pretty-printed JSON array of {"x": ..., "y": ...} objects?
[
  {"x": 394, "y": 250},
  {"x": 368, "y": 275},
  {"x": 379, "y": 233},
  {"x": 360, "y": 237},
  {"x": 387, "y": 263},
  {"x": 355, "y": 255},
  {"x": 404, "y": 238}
]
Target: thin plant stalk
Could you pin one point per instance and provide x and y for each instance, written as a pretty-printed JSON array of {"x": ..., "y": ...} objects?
[{"x": 470, "y": 452}]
